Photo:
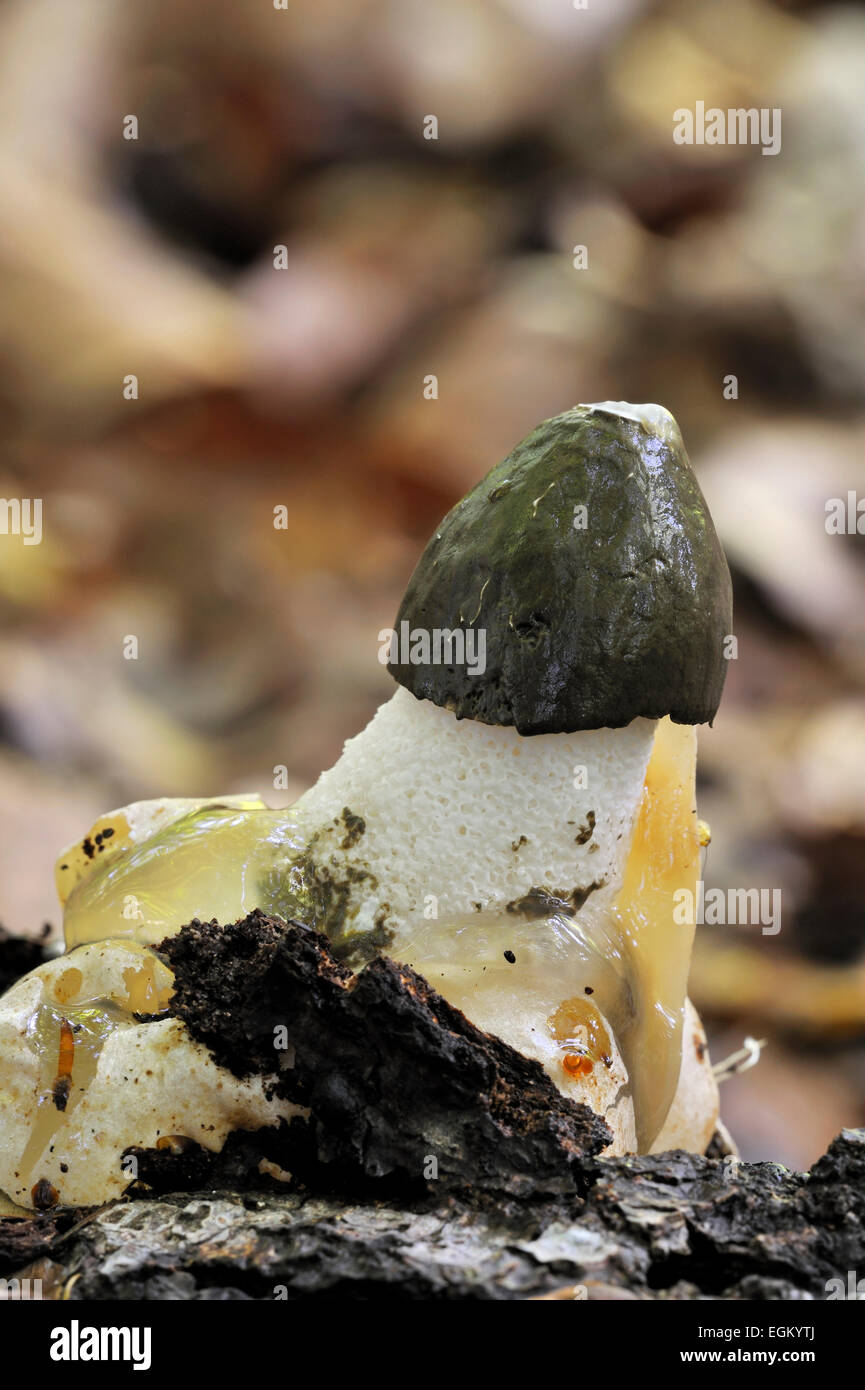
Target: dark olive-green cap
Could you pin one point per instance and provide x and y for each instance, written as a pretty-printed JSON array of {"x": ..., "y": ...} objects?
[{"x": 589, "y": 560}]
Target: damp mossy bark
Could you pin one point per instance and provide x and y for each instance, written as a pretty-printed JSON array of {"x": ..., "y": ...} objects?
[{"x": 589, "y": 559}]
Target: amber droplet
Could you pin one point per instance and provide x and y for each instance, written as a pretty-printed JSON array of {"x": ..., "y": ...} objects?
[
  {"x": 43, "y": 1195},
  {"x": 579, "y": 1014},
  {"x": 174, "y": 1144},
  {"x": 577, "y": 1065}
]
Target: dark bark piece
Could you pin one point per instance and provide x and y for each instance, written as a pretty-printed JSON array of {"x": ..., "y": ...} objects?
[
  {"x": 727, "y": 1227},
  {"x": 394, "y": 1076},
  {"x": 667, "y": 1226},
  {"x": 23, "y": 1239}
]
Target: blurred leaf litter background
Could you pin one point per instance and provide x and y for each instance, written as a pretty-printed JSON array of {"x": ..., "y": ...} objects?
[{"x": 303, "y": 386}]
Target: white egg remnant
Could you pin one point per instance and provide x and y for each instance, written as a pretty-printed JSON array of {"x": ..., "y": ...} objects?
[
  {"x": 82, "y": 1080},
  {"x": 656, "y": 420},
  {"x": 460, "y": 816}
]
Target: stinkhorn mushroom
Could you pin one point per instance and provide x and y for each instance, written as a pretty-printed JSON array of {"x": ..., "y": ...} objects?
[{"x": 515, "y": 822}]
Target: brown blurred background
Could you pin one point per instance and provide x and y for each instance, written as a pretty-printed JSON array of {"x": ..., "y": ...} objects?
[{"x": 303, "y": 386}]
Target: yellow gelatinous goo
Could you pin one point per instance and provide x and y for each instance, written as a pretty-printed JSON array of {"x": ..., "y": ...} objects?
[
  {"x": 217, "y": 860},
  {"x": 582, "y": 1035},
  {"x": 664, "y": 859},
  {"x": 106, "y": 837},
  {"x": 115, "y": 832}
]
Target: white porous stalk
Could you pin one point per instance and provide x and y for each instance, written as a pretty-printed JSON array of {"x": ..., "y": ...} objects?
[{"x": 446, "y": 800}]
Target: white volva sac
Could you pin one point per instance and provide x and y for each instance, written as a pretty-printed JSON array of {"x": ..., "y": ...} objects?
[
  {"x": 465, "y": 828},
  {"x": 131, "y": 1083}
]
